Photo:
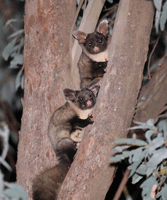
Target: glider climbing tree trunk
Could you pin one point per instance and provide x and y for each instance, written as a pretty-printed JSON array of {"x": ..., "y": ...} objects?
[
  {"x": 90, "y": 175},
  {"x": 47, "y": 32}
]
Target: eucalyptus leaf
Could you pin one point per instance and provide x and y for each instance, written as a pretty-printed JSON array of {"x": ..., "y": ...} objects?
[
  {"x": 156, "y": 143},
  {"x": 116, "y": 158},
  {"x": 125, "y": 154},
  {"x": 139, "y": 123},
  {"x": 148, "y": 135},
  {"x": 137, "y": 127},
  {"x": 1, "y": 182},
  {"x": 162, "y": 126},
  {"x": 157, "y": 20},
  {"x": 110, "y": 1},
  {"x": 163, "y": 17},
  {"x": 18, "y": 47},
  {"x": 164, "y": 192},
  {"x": 150, "y": 170},
  {"x": 150, "y": 122},
  {"x": 135, "y": 142},
  {"x": 18, "y": 60},
  {"x": 119, "y": 149},
  {"x": 10, "y": 21},
  {"x": 17, "y": 33},
  {"x": 147, "y": 187},
  {"x": 157, "y": 158},
  {"x": 135, "y": 165},
  {"x": 158, "y": 4},
  {"x": 19, "y": 79},
  {"x": 143, "y": 126},
  {"x": 135, "y": 154},
  {"x": 141, "y": 169},
  {"x": 136, "y": 178},
  {"x": 140, "y": 142},
  {"x": 119, "y": 157},
  {"x": 5, "y": 135},
  {"x": 5, "y": 164},
  {"x": 16, "y": 191},
  {"x": 8, "y": 49},
  {"x": 22, "y": 81},
  {"x": 123, "y": 141}
]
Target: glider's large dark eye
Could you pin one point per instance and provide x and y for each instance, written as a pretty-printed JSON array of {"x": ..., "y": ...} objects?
[
  {"x": 81, "y": 98},
  {"x": 99, "y": 40}
]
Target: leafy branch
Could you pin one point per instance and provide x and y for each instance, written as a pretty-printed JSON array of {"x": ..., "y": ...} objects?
[
  {"x": 8, "y": 191},
  {"x": 160, "y": 14},
  {"x": 148, "y": 160}
]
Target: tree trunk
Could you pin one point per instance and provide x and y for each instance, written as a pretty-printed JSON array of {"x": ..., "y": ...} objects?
[
  {"x": 91, "y": 175},
  {"x": 92, "y": 12},
  {"x": 153, "y": 96},
  {"x": 152, "y": 101},
  {"x": 47, "y": 32}
]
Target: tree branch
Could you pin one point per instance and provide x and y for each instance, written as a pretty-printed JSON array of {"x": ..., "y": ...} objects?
[
  {"x": 88, "y": 24},
  {"x": 122, "y": 185},
  {"x": 47, "y": 31},
  {"x": 153, "y": 96},
  {"x": 90, "y": 175}
]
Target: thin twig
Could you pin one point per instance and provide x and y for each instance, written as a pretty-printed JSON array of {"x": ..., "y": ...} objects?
[
  {"x": 149, "y": 60},
  {"x": 122, "y": 185}
]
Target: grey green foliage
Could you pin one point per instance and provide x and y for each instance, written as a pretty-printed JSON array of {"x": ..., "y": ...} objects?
[
  {"x": 147, "y": 160},
  {"x": 14, "y": 51},
  {"x": 111, "y": 1},
  {"x": 160, "y": 15},
  {"x": 8, "y": 191}
]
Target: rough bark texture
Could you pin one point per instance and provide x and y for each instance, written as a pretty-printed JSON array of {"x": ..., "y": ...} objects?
[
  {"x": 47, "y": 31},
  {"x": 88, "y": 24},
  {"x": 153, "y": 96},
  {"x": 152, "y": 100},
  {"x": 90, "y": 175}
]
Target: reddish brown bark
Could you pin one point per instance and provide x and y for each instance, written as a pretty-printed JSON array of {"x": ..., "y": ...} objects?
[
  {"x": 152, "y": 100},
  {"x": 153, "y": 96},
  {"x": 90, "y": 175},
  {"x": 47, "y": 31},
  {"x": 92, "y": 12}
]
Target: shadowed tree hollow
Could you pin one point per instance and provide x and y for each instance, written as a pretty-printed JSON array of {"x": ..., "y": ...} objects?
[{"x": 47, "y": 33}]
